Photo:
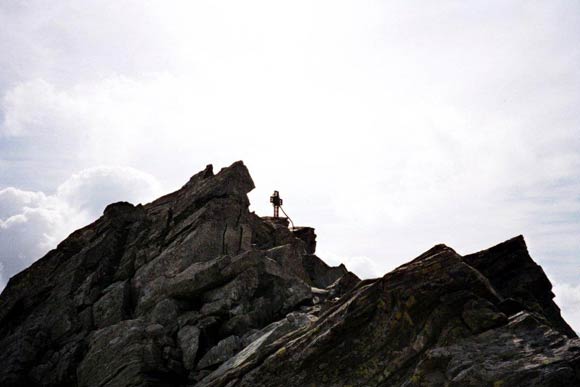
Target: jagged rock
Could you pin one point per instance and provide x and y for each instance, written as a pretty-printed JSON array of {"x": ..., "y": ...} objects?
[
  {"x": 188, "y": 339},
  {"x": 514, "y": 274},
  {"x": 194, "y": 290},
  {"x": 344, "y": 284},
  {"x": 504, "y": 357},
  {"x": 121, "y": 355},
  {"x": 165, "y": 313},
  {"x": 480, "y": 315},
  {"x": 258, "y": 347},
  {"x": 308, "y": 236},
  {"x": 322, "y": 275},
  {"x": 289, "y": 256},
  {"x": 112, "y": 307},
  {"x": 408, "y": 329},
  {"x": 225, "y": 349},
  {"x": 279, "y": 222},
  {"x": 271, "y": 232}
]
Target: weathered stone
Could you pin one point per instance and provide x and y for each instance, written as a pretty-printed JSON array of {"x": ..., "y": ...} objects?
[
  {"x": 120, "y": 355},
  {"x": 112, "y": 306},
  {"x": 188, "y": 339},
  {"x": 481, "y": 315},
  {"x": 344, "y": 284},
  {"x": 225, "y": 349},
  {"x": 189, "y": 318},
  {"x": 165, "y": 312},
  {"x": 320, "y": 274},
  {"x": 514, "y": 274},
  {"x": 256, "y": 348},
  {"x": 289, "y": 256},
  {"x": 509, "y": 306},
  {"x": 279, "y": 222},
  {"x": 270, "y": 232},
  {"x": 403, "y": 330},
  {"x": 193, "y": 289},
  {"x": 308, "y": 236}
]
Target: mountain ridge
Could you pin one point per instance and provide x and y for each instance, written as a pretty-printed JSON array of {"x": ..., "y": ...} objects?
[{"x": 193, "y": 289}]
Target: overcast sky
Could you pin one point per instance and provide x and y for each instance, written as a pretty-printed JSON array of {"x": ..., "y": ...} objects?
[{"x": 388, "y": 126}]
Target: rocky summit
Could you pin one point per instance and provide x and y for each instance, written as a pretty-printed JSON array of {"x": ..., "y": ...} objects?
[{"x": 193, "y": 289}]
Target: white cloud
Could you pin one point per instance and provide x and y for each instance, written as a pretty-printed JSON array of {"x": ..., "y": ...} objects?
[
  {"x": 13, "y": 199},
  {"x": 90, "y": 190},
  {"x": 363, "y": 267},
  {"x": 33, "y": 222}
]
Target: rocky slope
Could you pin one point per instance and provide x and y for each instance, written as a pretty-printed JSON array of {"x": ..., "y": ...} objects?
[{"x": 194, "y": 290}]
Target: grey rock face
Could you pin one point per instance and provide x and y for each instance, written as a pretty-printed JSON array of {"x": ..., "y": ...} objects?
[
  {"x": 188, "y": 339},
  {"x": 194, "y": 290},
  {"x": 511, "y": 271},
  {"x": 147, "y": 295},
  {"x": 308, "y": 236},
  {"x": 225, "y": 349},
  {"x": 120, "y": 355},
  {"x": 112, "y": 307},
  {"x": 259, "y": 347},
  {"x": 408, "y": 329}
]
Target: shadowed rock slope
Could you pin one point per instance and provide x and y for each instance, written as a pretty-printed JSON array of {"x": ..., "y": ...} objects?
[{"x": 194, "y": 290}]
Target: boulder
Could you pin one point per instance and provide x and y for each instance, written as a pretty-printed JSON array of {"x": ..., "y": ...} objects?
[
  {"x": 188, "y": 339},
  {"x": 308, "y": 236}
]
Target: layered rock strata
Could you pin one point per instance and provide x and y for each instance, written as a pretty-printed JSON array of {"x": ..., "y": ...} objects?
[{"x": 193, "y": 289}]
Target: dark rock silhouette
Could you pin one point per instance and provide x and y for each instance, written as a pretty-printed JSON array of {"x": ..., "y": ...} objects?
[{"x": 194, "y": 290}]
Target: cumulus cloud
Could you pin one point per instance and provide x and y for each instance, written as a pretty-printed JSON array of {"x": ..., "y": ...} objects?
[
  {"x": 13, "y": 199},
  {"x": 90, "y": 190},
  {"x": 31, "y": 223}
]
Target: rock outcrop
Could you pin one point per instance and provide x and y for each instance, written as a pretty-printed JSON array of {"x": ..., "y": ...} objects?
[{"x": 195, "y": 290}]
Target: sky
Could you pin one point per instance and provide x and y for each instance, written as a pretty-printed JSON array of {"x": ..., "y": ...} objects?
[{"x": 389, "y": 126}]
